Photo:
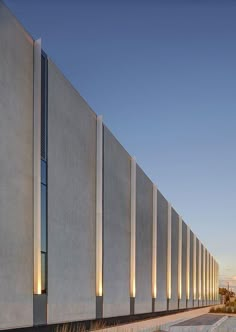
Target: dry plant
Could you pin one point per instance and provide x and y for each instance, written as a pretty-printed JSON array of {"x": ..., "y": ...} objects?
[{"x": 72, "y": 327}]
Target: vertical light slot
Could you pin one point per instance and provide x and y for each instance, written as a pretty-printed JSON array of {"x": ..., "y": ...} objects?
[
  {"x": 99, "y": 212},
  {"x": 154, "y": 243},
  {"x": 213, "y": 282},
  {"x": 194, "y": 269},
  {"x": 210, "y": 277},
  {"x": 37, "y": 167},
  {"x": 203, "y": 273},
  {"x": 188, "y": 265},
  {"x": 207, "y": 275},
  {"x": 199, "y": 270},
  {"x": 169, "y": 252},
  {"x": 133, "y": 229},
  {"x": 180, "y": 259}
]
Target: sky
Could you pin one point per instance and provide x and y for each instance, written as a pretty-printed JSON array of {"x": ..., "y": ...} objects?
[{"x": 163, "y": 75}]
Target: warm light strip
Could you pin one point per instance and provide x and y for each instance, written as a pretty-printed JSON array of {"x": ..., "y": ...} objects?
[
  {"x": 213, "y": 282},
  {"x": 180, "y": 259},
  {"x": 207, "y": 274},
  {"x": 133, "y": 229},
  {"x": 99, "y": 216},
  {"x": 199, "y": 270},
  {"x": 210, "y": 276},
  {"x": 37, "y": 167},
  {"x": 188, "y": 264},
  {"x": 169, "y": 253},
  {"x": 216, "y": 267},
  {"x": 194, "y": 269},
  {"x": 154, "y": 243},
  {"x": 204, "y": 273}
]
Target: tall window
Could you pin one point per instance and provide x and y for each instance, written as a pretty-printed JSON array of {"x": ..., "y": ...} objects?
[{"x": 44, "y": 172}]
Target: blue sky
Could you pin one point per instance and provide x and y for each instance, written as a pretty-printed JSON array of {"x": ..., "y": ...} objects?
[{"x": 163, "y": 75}]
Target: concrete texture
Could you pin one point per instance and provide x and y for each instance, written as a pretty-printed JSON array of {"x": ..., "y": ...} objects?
[
  {"x": 182, "y": 302},
  {"x": 163, "y": 323},
  {"x": 71, "y": 202},
  {"x": 71, "y": 205},
  {"x": 207, "y": 319},
  {"x": 16, "y": 173},
  {"x": 116, "y": 269},
  {"x": 162, "y": 216},
  {"x": 173, "y": 302},
  {"x": 40, "y": 309},
  {"x": 144, "y": 224}
]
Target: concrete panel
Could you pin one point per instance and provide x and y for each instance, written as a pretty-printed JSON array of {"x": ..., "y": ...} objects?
[
  {"x": 71, "y": 202},
  {"x": 116, "y": 268},
  {"x": 144, "y": 203},
  {"x": 162, "y": 217},
  {"x": 16, "y": 173},
  {"x": 182, "y": 302},
  {"x": 173, "y": 302}
]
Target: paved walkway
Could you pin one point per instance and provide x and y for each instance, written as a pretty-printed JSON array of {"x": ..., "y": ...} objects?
[
  {"x": 227, "y": 325},
  {"x": 208, "y": 319},
  {"x": 160, "y": 323}
]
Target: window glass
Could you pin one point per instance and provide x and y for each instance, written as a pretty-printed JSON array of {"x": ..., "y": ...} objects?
[
  {"x": 43, "y": 272},
  {"x": 43, "y": 172},
  {"x": 43, "y": 217}
]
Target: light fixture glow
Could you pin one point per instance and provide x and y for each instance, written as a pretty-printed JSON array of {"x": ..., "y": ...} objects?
[
  {"x": 99, "y": 212},
  {"x": 37, "y": 167},
  {"x": 199, "y": 270},
  {"x": 154, "y": 243},
  {"x": 133, "y": 229},
  {"x": 204, "y": 273},
  {"x": 169, "y": 253},
  {"x": 194, "y": 268},
  {"x": 180, "y": 259},
  {"x": 188, "y": 264}
]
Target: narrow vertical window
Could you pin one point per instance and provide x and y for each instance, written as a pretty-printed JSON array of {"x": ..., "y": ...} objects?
[{"x": 43, "y": 173}]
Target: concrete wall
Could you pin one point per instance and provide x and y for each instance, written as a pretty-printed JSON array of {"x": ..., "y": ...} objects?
[
  {"x": 116, "y": 268},
  {"x": 144, "y": 204},
  {"x": 71, "y": 202},
  {"x": 182, "y": 302},
  {"x": 162, "y": 217},
  {"x": 173, "y": 302},
  {"x": 16, "y": 173}
]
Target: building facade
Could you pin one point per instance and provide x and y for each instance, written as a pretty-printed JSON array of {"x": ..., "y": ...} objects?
[{"x": 84, "y": 233}]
